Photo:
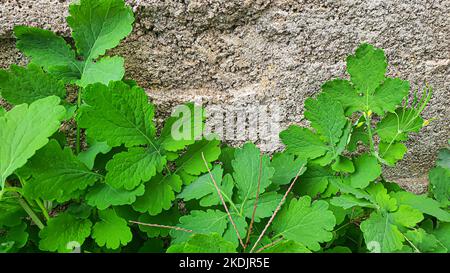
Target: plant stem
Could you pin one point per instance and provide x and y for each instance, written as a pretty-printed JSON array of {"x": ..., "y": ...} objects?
[
  {"x": 11, "y": 189},
  {"x": 31, "y": 213},
  {"x": 371, "y": 142},
  {"x": 341, "y": 227},
  {"x": 161, "y": 226},
  {"x": 269, "y": 245},
  {"x": 411, "y": 243},
  {"x": 233, "y": 206},
  {"x": 223, "y": 201},
  {"x": 44, "y": 210},
  {"x": 255, "y": 205},
  {"x": 23, "y": 203},
  {"x": 369, "y": 132},
  {"x": 277, "y": 209}
]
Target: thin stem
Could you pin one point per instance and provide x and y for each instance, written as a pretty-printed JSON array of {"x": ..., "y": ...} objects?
[
  {"x": 343, "y": 226},
  {"x": 269, "y": 245},
  {"x": 78, "y": 144},
  {"x": 277, "y": 209},
  {"x": 411, "y": 243},
  {"x": 353, "y": 240},
  {"x": 23, "y": 203},
  {"x": 12, "y": 189},
  {"x": 233, "y": 206},
  {"x": 161, "y": 226},
  {"x": 278, "y": 235},
  {"x": 360, "y": 239},
  {"x": 8, "y": 188},
  {"x": 44, "y": 210},
  {"x": 371, "y": 142},
  {"x": 255, "y": 205},
  {"x": 369, "y": 132},
  {"x": 31, "y": 213},
  {"x": 223, "y": 201}
]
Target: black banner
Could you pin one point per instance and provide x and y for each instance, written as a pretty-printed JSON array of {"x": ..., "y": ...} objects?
[{"x": 224, "y": 262}]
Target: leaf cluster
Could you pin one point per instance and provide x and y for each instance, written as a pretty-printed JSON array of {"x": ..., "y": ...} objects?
[{"x": 135, "y": 188}]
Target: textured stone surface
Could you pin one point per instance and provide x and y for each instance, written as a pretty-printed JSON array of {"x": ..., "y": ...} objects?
[{"x": 235, "y": 54}]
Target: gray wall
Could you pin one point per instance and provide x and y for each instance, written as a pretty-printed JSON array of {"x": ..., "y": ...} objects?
[{"x": 239, "y": 53}]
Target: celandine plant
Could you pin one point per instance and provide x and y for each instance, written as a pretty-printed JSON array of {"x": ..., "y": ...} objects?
[{"x": 133, "y": 189}]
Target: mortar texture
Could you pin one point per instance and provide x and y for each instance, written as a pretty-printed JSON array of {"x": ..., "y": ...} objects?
[{"x": 234, "y": 55}]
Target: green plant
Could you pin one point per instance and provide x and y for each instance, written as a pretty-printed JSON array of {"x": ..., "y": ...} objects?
[
  {"x": 97, "y": 26},
  {"x": 136, "y": 188},
  {"x": 39, "y": 177}
]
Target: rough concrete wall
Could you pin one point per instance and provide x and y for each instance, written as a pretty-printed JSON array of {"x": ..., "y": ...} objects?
[{"x": 275, "y": 52}]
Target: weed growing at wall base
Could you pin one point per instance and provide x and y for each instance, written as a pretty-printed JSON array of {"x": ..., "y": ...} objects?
[{"x": 136, "y": 188}]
